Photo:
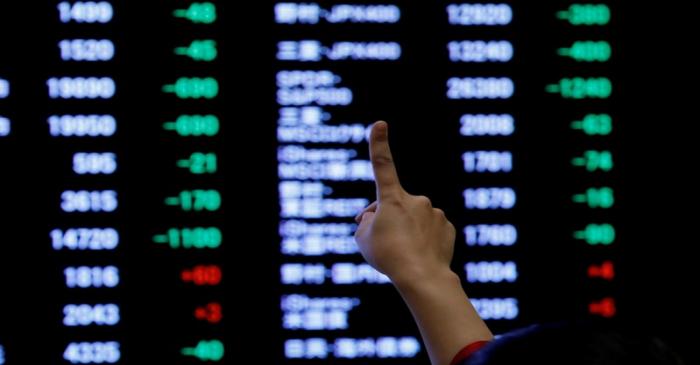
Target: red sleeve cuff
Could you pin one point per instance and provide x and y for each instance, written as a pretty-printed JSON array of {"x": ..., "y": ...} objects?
[{"x": 468, "y": 351}]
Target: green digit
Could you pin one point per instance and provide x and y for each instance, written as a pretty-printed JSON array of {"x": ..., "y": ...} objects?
[
  {"x": 199, "y": 50},
  {"x": 603, "y": 198},
  {"x": 206, "y": 350},
  {"x": 198, "y": 13},
  {"x": 200, "y": 163},
  {"x": 586, "y": 14},
  {"x": 597, "y": 234},
  {"x": 594, "y": 125},
  {"x": 582, "y": 88},
  {"x": 595, "y": 160},
  {"x": 194, "y": 88},
  {"x": 588, "y": 51}
]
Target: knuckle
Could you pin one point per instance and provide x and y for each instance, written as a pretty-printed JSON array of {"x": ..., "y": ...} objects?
[
  {"x": 451, "y": 229},
  {"x": 424, "y": 200},
  {"x": 394, "y": 201},
  {"x": 382, "y": 160}
]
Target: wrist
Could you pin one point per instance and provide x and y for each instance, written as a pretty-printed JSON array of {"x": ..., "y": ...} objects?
[{"x": 419, "y": 280}]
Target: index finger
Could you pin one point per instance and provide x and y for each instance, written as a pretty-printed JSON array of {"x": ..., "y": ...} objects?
[{"x": 385, "y": 176}]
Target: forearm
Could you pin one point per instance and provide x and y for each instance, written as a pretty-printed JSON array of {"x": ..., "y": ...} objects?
[{"x": 445, "y": 316}]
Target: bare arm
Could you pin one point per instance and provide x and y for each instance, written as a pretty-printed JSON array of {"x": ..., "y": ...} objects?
[{"x": 405, "y": 238}]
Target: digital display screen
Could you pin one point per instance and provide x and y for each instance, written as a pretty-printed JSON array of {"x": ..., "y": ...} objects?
[
  {"x": 120, "y": 119},
  {"x": 503, "y": 113}
]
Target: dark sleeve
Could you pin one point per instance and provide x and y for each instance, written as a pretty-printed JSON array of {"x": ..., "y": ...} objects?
[{"x": 464, "y": 354}]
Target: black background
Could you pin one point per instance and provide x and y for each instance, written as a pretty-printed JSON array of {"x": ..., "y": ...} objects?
[{"x": 658, "y": 103}]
